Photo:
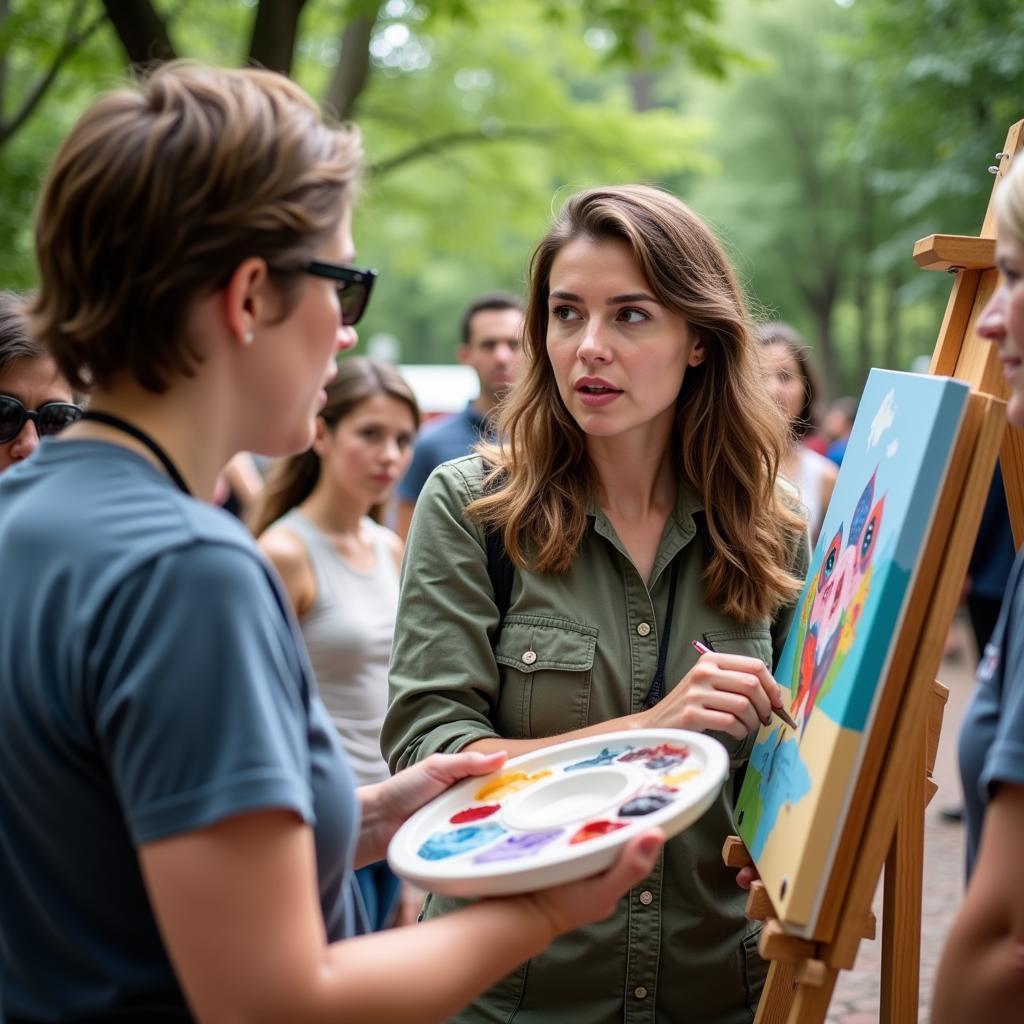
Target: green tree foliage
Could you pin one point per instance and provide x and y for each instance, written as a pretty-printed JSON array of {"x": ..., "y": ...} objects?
[
  {"x": 473, "y": 115},
  {"x": 845, "y": 131},
  {"x": 856, "y": 129}
]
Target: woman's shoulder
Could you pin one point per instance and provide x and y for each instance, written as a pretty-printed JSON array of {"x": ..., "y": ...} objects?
[
  {"x": 466, "y": 474},
  {"x": 288, "y": 554},
  {"x": 385, "y": 537}
]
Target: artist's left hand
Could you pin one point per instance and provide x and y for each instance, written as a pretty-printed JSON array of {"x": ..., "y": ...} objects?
[
  {"x": 746, "y": 875},
  {"x": 386, "y": 805}
]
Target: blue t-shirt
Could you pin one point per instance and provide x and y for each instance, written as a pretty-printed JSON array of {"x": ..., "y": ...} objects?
[
  {"x": 440, "y": 442},
  {"x": 151, "y": 684},
  {"x": 992, "y": 734}
]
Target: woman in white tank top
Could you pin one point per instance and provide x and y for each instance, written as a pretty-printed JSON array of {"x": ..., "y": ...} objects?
[
  {"x": 791, "y": 375},
  {"x": 318, "y": 522}
]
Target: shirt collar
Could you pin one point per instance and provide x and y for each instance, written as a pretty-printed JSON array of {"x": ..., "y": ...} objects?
[{"x": 679, "y": 531}]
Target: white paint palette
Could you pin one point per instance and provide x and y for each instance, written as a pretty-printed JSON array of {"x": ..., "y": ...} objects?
[{"x": 560, "y": 813}]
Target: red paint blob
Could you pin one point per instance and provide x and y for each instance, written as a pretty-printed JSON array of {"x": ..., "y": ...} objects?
[
  {"x": 593, "y": 829},
  {"x": 474, "y": 813}
]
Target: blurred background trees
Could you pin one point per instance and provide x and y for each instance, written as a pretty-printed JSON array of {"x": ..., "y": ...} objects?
[{"x": 820, "y": 138}]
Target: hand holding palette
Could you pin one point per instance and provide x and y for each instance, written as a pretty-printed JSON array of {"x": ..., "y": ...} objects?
[{"x": 558, "y": 814}]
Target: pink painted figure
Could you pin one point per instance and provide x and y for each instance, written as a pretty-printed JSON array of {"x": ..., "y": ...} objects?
[{"x": 837, "y": 599}]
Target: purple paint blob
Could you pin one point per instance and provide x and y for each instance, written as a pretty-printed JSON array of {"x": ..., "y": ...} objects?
[
  {"x": 657, "y": 759},
  {"x": 645, "y": 803},
  {"x": 516, "y": 847}
]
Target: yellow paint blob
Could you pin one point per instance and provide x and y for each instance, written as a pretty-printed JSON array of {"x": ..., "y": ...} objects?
[
  {"x": 680, "y": 777},
  {"x": 507, "y": 784}
]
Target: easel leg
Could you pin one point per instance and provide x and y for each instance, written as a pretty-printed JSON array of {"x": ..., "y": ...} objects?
[
  {"x": 901, "y": 913},
  {"x": 812, "y": 1001},
  {"x": 778, "y": 993}
]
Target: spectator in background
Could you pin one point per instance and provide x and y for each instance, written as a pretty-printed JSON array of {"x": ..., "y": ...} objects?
[
  {"x": 35, "y": 400},
  {"x": 836, "y": 426},
  {"x": 793, "y": 380},
  {"x": 319, "y": 523},
  {"x": 492, "y": 328}
]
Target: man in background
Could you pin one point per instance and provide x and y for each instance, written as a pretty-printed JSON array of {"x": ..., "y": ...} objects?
[{"x": 490, "y": 343}]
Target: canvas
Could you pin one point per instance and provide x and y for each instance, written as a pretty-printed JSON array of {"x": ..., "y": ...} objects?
[{"x": 799, "y": 782}]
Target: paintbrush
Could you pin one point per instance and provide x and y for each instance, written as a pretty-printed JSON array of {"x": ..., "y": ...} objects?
[{"x": 781, "y": 712}]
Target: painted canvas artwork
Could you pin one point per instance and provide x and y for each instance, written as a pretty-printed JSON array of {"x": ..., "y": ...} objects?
[{"x": 799, "y": 782}]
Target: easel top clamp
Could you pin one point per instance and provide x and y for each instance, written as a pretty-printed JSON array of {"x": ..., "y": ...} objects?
[{"x": 803, "y": 972}]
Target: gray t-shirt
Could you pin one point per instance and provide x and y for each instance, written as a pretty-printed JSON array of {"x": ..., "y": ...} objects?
[
  {"x": 151, "y": 683},
  {"x": 992, "y": 734},
  {"x": 348, "y": 630}
]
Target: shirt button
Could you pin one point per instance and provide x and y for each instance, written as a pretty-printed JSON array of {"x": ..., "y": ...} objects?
[
  {"x": 646, "y": 898},
  {"x": 640, "y": 992},
  {"x": 644, "y": 628},
  {"x": 529, "y": 657}
]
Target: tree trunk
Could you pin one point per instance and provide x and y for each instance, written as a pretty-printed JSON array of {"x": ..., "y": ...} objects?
[
  {"x": 352, "y": 71},
  {"x": 891, "y": 355},
  {"x": 142, "y": 31},
  {"x": 821, "y": 299},
  {"x": 274, "y": 31},
  {"x": 641, "y": 81},
  {"x": 863, "y": 286}
]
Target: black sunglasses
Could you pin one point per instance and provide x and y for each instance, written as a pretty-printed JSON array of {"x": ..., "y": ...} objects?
[
  {"x": 50, "y": 418},
  {"x": 354, "y": 287}
]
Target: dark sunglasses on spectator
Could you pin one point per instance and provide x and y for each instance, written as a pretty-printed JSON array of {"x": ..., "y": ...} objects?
[
  {"x": 50, "y": 418},
  {"x": 354, "y": 287}
]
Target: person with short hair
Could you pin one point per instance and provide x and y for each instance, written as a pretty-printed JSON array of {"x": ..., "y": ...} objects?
[
  {"x": 634, "y": 492},
  {"x": 35, "y": 400},
  {"x": 178, "y": 821},
  {"x": 490, "y": 342},
  {"x": 979, "y": 977}
]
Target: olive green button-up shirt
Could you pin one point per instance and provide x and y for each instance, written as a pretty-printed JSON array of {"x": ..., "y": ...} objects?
[{"x": 576, "y": 649}]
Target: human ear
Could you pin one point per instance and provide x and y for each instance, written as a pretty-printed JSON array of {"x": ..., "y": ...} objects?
[
  {"x": 698, "y": 353},
  {"x": 321, "y": 437},
  {"x": 245, "y": 299},
  {"x": 462, "y": 353}
]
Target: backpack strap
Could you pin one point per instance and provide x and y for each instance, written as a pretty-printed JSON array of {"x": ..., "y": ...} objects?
[
  {"x": 501, "y": 572},
  {"x": 500, "y": 569}
]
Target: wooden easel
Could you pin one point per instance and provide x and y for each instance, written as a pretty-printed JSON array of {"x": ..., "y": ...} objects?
[{"x": 886, "y": 826}]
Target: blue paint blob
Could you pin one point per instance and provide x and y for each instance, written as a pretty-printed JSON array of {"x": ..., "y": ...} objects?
[
  {"x": 605, "y": 757},
  {"x": 460, "y": 840}
]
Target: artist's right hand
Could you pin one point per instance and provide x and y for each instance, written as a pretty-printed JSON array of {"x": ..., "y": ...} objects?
[
  {"x": 728, "y": 693},
  {"x": 575, "y": 904}
]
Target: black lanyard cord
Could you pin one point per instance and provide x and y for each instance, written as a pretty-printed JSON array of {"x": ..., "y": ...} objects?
[
  {"x": 657, "y": 690},
  {"x": 143, "y": 438}
]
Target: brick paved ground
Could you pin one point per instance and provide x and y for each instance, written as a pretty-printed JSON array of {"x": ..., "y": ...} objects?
[{"x": 855, "y": 1000}]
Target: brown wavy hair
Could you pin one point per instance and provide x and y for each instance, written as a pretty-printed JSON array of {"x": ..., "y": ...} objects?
[
  {"x": 292, "y": 480},
  {"x": 156, "y": 196},
  {"x": 730, "y": 436}
]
